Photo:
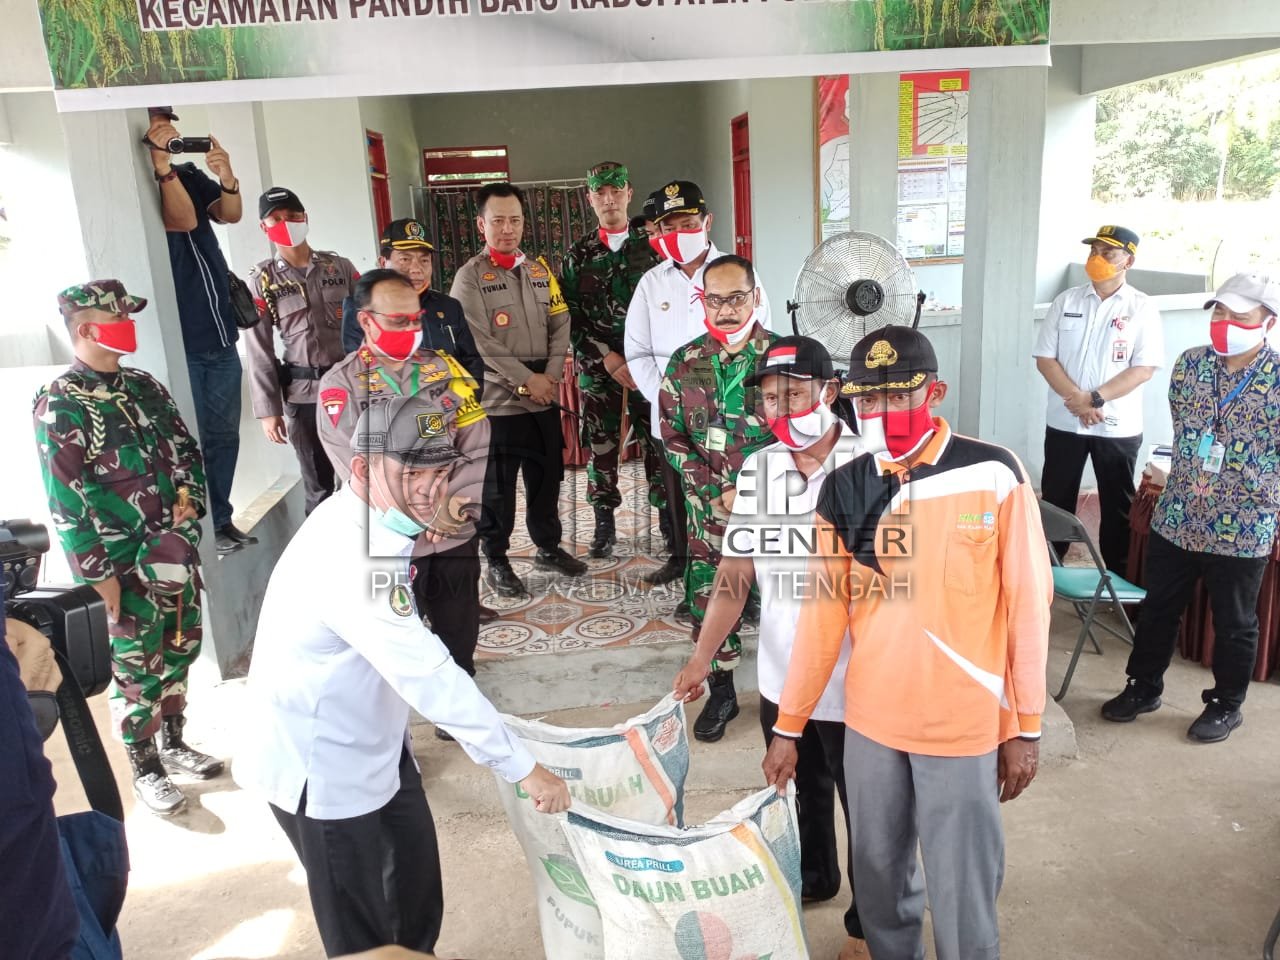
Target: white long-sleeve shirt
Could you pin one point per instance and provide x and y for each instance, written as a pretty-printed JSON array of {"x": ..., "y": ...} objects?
[
  {"x": 339, "y": 657},
  {"x": 665, "y": 314}
]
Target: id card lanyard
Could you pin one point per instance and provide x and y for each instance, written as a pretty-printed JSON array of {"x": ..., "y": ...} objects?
[
  {"x": 1211, "y": 450},
  {"x": 726, "y": 385},
  {"x": 391, "y": 382}
]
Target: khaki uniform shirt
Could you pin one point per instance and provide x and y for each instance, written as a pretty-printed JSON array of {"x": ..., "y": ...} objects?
[
  {"x": 306, "y": 306},
  {"x": 364, "y": 378},
  {"x": 516, "y": 316}
]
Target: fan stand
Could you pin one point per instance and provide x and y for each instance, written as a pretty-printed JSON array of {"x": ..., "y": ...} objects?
[{"x": 864, "y": 297}]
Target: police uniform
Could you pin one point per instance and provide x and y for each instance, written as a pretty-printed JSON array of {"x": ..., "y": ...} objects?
[
  {"x": 521, "y": 327},
  {"x": 444, "y": 325},
  {"x": 1095, "y": 340},
  {"x": 305, "y": 304},
  {"x": 446, "y": 575},
  {"x": 115, "y": 453},
  {"x": 335, "y": 673}
]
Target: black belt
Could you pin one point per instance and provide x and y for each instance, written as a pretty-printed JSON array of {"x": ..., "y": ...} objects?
[{"x": 307, "y": 373}]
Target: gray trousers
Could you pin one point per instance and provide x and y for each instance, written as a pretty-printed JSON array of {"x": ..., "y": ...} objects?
[{"x": 951, "y": 807}]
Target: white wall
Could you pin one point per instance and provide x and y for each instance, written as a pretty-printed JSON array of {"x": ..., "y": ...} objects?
[
  {"x": 317, "y": 150},
  {"x": 44, "y": 255},
  {"x": 23, "y": 63},
  {"x": 393, "y": 118}
]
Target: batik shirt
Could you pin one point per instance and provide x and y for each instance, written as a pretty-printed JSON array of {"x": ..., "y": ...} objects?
[{"x": 1231, "y": 513}]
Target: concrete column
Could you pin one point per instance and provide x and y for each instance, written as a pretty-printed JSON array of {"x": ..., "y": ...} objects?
[
  {"x": 239, "y": 127},
  {"x": 1067, "y": 178},
  {"x": 873, "y": 153},
  {"x": 1006, "y": 148},
  {"x": 124, "y": 236}
]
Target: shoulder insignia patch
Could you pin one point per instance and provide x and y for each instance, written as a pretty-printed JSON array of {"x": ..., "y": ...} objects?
[
  {"x": 334, "y": 401},
  {"x": 401, "y": 601},
  {"x": 502, "y": 319}
]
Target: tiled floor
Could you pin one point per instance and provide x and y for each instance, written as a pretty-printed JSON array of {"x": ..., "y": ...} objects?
[{"x": 608, "y": 606}]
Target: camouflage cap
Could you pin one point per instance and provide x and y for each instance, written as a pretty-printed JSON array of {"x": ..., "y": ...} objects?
[
  {"x": 108, "y": 295},
  {"x": 412, "y": 430},
  {"x": 166, "y": 563}
]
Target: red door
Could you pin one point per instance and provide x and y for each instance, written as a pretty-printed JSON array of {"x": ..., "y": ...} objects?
[
  {"x": 379, "y": 179},
  {"x": 741, "y": 145}
]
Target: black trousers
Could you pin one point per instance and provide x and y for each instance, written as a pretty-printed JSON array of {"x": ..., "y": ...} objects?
[
  {"x": 533, "y": 445},
  {"x": 374, "y": 880},
  {"x": 677, "y": 512},
  {"x": 819, "y": 779},
  {"x": 1232, "y": 584},
  {"x": 1114, "y": 459},
  {"x": 318, "y": 480},
  {"x": 446, "y": 586}
]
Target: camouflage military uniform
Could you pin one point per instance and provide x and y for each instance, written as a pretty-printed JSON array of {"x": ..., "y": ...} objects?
[
  {"x": 597, "y": 285},
  {"x": 710, "y": 424},
  {"x": 114, "y": 451}
]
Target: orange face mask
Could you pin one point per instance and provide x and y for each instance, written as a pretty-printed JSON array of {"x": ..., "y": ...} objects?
[{"x": 1099, "y": 269}]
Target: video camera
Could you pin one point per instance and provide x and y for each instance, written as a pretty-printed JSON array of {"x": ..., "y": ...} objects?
[
  {"x": 75, "y": 621},
  {"x": 73, "y": 618}
]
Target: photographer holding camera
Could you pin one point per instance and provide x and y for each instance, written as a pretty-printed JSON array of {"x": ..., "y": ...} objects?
[
  {"x": 190, "y": 201},
  {"x": 126, "y": 485},
  {"x": 36, "y": 910}
]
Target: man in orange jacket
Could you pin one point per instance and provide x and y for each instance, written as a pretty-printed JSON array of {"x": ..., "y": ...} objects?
[{"x": 932, "y": 556}]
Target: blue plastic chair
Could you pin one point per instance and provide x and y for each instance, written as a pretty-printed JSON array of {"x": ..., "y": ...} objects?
[{"x": 1087, "y": 589}]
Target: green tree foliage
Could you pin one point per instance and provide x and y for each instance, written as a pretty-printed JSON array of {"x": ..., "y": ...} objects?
[{"x": 1166, "y": 137}]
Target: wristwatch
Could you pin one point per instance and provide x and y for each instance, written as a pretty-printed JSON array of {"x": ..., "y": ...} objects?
[{"x": 1097, "y": 399}]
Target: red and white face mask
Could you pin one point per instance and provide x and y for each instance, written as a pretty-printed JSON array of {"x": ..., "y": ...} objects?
[
  {"x": 287, "y": 233},
  {"x": 802, "y": 430},
  {"x": 1230, "y": 338},
  {"x": 682, "y": 246},
  {"x": 897, "y": 432},
  {"x": 614, "y": 241}
]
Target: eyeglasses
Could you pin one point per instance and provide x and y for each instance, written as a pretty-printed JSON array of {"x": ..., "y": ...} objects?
[
  {"x": 734, "y": 300},
  {"x": 407, "y": 319}
]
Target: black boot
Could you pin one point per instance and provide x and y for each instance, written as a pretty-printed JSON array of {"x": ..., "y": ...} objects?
[
  {"x": 722, "y": 706},
  {"x": 605, "y": 536},
  {"x": 503, "y": 578},
  {"x": 178, "y": 757},
  {"x": 664, "y": 527},
  {"x": 151, "y": 784},
  {"x": 672, "y": 569}
]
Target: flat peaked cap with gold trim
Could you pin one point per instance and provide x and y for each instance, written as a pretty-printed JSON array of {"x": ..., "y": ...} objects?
[{"x": 891, "y": 358}]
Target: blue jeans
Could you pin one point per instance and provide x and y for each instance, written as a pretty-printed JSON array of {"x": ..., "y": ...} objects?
[{"x": 215, "y": 389}]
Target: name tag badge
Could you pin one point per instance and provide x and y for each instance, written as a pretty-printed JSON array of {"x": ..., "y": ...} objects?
[
  {"x": 1120, "y": 351},
  {"x": 1213, "y": 462},
  {"x": 717, "y": 439},
  {"x": 1206, "y": 444}
]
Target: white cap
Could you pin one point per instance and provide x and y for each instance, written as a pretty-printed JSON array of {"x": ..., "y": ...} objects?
[{"x": 1244, "y": 291}]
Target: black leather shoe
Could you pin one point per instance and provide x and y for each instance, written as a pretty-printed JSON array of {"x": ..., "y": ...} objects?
[
  {"x": 503, "y": 579},
  {"x": 722, "y": 706},
  {"x": 673, "y": 569},
  {"x": 1131, "y": 703},
  {"x": 225, "y": 544},
  {"x": 560, "y": 559},
  {"x": 605, "y": 535},
  {"x": 231, "y": 532},
  {"x": 488, "y": 614},
  {"x": 1215, "y": 724}
]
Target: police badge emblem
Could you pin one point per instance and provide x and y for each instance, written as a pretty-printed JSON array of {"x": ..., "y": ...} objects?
[{"x": 430, "y": 425}]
